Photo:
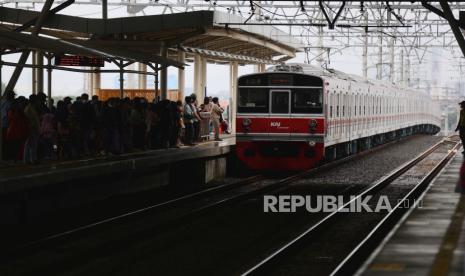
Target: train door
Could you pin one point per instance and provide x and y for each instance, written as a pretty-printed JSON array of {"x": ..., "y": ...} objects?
[{"x": 280, "y": 103}]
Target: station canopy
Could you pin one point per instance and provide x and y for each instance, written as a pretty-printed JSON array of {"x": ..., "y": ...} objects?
[
  {"x": 205, "y": 33},
  {"x": 19, "y": 41}
]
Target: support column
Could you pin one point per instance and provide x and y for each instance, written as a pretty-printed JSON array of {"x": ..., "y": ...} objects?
[
  {"x": 197, "y": 72},
  {"x": 49, "y": 81},
  {"x": 365, "y": 51},
  {"x": 407, "y": 71},
  {"x": 121, "y": 79},
  {"x": 401, "y": 81},
  {"x": 320, "y": 54},
  {"x": 391, "y": 62},
  {"x": 142, "y": 78},
  {"x": 104, "y": 9},
  {"x": 233, "y": 72},
  {"x": 96, "y": 82},
  {"x": 1, "y": 118},
  {"x": 34, "y": 73},
  {"x": 203, "y": 84},
  {"x": 181, "y": 76},
  {"x": 259, "y": 68},
  {"x": 40, "y": 72},
  {"x": 379, "y": 66},
  {"x": 164, "y": 76}
]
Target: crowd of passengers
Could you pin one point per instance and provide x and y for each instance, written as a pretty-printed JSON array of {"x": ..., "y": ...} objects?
[{"x": 32, "y": 131}]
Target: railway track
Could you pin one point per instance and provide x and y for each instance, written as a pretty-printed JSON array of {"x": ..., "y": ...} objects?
[
  {"x": 176, "y": 214},
  {"x": 209, "y": 199},
  {"x": 321, "y": 250}
]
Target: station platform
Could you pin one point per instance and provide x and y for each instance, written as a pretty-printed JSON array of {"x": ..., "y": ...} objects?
[
  {"x": 431, "y": 241},
  {"x": 57, "y": 185}
]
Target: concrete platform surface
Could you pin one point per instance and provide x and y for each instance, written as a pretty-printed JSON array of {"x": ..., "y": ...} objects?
[
  {"x": 431, "y": 241},
  {"x": 23, "y": 177}
]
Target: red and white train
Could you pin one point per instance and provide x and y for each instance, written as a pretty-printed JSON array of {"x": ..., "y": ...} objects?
[{"x": 294, "y": 116}]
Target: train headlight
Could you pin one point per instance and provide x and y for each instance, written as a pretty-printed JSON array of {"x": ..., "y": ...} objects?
[
  {"x": 312, "y": 123},
  {"x": 311, "y": 143},
  {"x": 246, "y": 122}
]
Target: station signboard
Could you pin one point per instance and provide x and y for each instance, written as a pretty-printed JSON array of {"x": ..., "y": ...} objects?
[{"x": 79, "y": 61}]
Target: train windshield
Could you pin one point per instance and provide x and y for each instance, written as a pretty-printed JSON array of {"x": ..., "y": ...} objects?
[
  {"x": 307, "y": 100},
  {"x": 253, "y": 100}
]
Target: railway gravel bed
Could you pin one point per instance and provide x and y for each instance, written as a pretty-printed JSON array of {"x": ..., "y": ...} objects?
[{"x": 227, "y": 241}]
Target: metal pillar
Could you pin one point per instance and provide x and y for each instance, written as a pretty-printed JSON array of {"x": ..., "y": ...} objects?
[
  {"x": 34, "y": 73},
  {"x": 38, "y": 73},
  {"x": 365, "y": 50},
  {"x": 1, "y": 99},
  {"x": 320, "y": 58},
  {"x": 407, "y": 71},
  {"x": 142, "y": 78},
  {"x": 379, "y": 67},
  {"x": 121, "y": 79},
  {"x": 104, "y": 9},
  {"x": 49, "y": 81},
  {"x": 233, "y": 72},
  {"x": 24, "y": 56},
  {"x": 181, "y": 76},
  {"x": 401, "y": 81},
  {"x": 156, "y": 82},
  {"x": 164, "y": 76},
  {"x": 391, "y": 62}
]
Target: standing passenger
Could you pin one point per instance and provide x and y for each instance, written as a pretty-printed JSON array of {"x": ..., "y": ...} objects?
[
  {"x": 188, "y": 116},
  {"x": 217, "y": 111},
  {"x": 461, "y": 124},
  {"x": 32, "y": 115}
]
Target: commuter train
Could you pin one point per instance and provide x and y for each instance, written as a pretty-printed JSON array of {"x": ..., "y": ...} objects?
[{"x": 292, "y": 117}]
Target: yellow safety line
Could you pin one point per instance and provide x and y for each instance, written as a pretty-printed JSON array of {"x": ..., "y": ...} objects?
[{"x": 444, "y": 257}]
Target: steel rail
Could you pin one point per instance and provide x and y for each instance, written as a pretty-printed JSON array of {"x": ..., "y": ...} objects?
[
  {"x": 275, "y": 186},
  {"x": 155, "y": 207},
  {"x": 357, "y": 256},
  {"x": 259, "y": 267}
]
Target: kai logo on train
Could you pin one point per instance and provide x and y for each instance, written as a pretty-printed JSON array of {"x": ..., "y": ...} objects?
[{"x": 275, "y": 124}]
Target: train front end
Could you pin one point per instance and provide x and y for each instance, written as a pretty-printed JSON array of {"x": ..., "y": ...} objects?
[{"x": 280, "y": 121}]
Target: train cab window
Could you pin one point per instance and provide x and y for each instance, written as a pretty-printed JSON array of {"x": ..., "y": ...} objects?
[
  {"x": 307, "y": 100},
  {"x": 280, "y": 102},
  {"x": 252, "y": 100}
]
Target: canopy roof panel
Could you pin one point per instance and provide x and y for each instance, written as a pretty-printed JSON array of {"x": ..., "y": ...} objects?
[
  {"x": 20, "y": 41},
  {"x": 198, "y": 29}
]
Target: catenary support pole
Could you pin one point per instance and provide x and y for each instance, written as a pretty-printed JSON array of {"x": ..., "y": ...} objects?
[{"x": 391, "y": 61}]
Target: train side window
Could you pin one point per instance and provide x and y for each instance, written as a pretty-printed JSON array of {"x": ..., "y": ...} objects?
[{"x": 307, "y": 100}]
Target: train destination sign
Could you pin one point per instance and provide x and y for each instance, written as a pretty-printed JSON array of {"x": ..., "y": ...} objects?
[{"x": 79, "y": 61}]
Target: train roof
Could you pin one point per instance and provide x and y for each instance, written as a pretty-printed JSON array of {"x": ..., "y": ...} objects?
[{"x": 332, "y": 73}]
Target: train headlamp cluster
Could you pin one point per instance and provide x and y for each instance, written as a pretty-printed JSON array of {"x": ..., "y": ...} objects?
[
  {"x": 246, "y": 122},
  {"x": 312, "y": 123},
  {"x": 311, "y": 143}
]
